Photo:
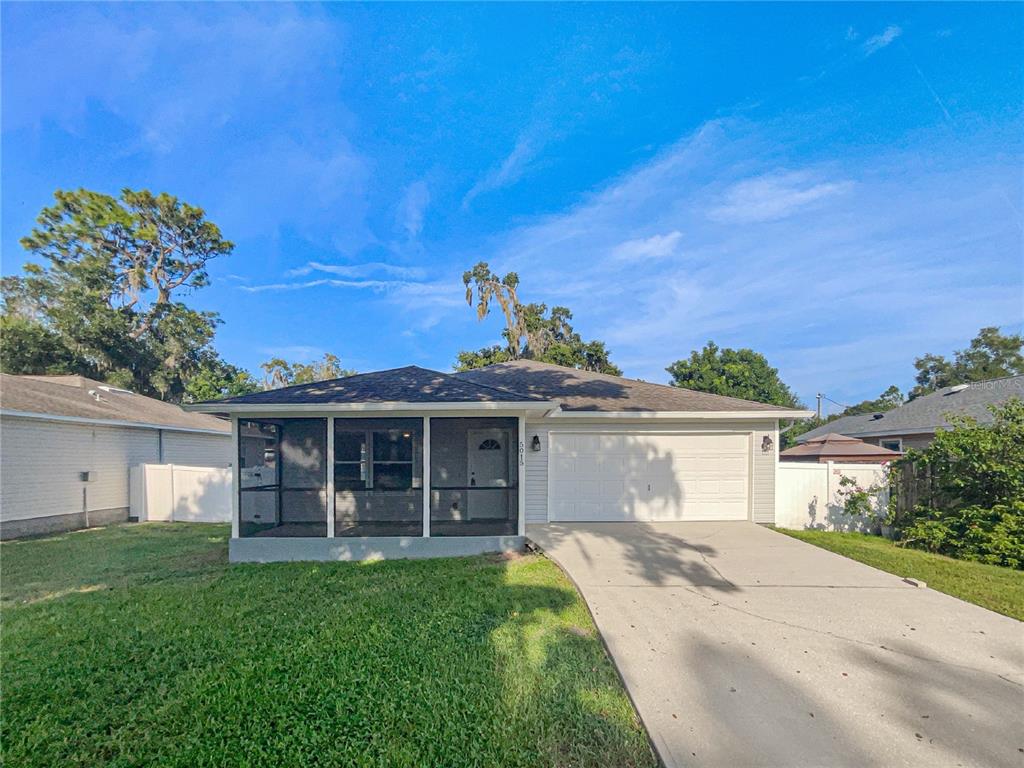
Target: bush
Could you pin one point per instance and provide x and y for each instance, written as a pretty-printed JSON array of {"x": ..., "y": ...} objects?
[
  {"x": 994, "y": 536},
  {"x": 972, "y": 476}
]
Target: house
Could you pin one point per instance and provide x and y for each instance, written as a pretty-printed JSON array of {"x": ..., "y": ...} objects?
[
  {"x": 836, "y": 447},
  {"x": 411, "y": 462},
  {"x": 913, "y": 425},
  {"x": 67, "y": 443}
]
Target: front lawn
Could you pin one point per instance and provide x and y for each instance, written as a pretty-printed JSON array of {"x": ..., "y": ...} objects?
[
  {"x": 138, "y": 644},
  {"x": 990, "y": 586}
]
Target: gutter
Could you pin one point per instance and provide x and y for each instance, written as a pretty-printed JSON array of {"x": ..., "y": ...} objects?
[{"x": 111, "y": 422}]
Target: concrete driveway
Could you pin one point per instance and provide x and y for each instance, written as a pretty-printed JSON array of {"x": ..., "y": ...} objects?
[{"x": 743, "y": 647}]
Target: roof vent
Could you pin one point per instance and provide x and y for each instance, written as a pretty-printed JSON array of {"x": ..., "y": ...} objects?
[
  {"x": 958, "y": 388},
  {"x": 876, "y": 416}
]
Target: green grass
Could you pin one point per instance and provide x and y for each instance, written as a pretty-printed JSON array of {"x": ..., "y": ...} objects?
[
  {"x": 990, "y": 586},
  {"x": 139, "y": 644}
]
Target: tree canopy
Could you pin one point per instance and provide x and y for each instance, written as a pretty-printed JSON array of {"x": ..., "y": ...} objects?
[
  {"x": 280, "y": 373},
  {"x": 531, "y": 331},
  {"x": 102, "y": 299},
  {"x": 741, "y": 373},
  {"x": 990, "y": 355}
]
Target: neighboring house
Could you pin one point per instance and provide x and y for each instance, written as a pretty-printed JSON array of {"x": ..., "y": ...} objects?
[
  {"x": 839, "y": 448},
  {"x": 67, "y": 443},
  {"x": 913, "y": 424},
  {"x": 413, "y": 462}
]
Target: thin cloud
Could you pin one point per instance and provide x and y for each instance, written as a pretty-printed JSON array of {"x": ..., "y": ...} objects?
[
  {"x": 653, "y": 247},
  {"x": 413, "y": 207},
  {"x": 782, "y": 261},
  {"x": 511, "y": 169},
  {"x": 877, "y": 42},
  {"x": 373, "y": 285},
  {"x": 774, "y": 196},
  {"x": 356, "y": 270}
]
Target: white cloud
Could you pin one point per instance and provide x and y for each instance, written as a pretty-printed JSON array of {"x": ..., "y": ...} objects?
[
  {"x": 412, "y": 208},
  {"x": 877, "y": 42},
  {"x": 356, "y": 270},
  {"x": 856, "y": 262},
  {"x": 774, "y": 196},
  {"x": 653, "y": 247},
  {"x": 510, "y": 170}
]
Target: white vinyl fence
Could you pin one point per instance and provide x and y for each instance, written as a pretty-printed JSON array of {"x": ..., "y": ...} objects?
[
  {"x": 174, "y": 493},
  {"x": 807, "y": 495}
]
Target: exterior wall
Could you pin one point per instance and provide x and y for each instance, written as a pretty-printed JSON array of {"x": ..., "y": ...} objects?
[
  {"x": 763, "y": 464},
  {"x": 197, "y": 450},
  {"x": 808, "y": 498},
  {"x": 40, "y": 465},
  {"x": 909, "y": 441}
]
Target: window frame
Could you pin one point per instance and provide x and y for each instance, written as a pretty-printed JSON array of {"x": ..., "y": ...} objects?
[{"x": 898, "y": 440}]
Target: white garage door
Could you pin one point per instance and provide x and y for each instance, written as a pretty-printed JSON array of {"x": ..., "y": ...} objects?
[{"x": 609, "y": 477}]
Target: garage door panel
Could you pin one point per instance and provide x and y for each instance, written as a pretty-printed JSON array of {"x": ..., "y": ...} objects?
[{"x": 604, "y": 477}]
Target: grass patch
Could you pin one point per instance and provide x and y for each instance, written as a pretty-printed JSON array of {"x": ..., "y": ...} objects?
[
  {"x": 990, "y": 586},
  {"x": 140, "y": 645}
]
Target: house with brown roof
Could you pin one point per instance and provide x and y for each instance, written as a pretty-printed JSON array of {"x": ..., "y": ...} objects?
[
  {"x": 411, "y": 462},
  {"x": 839, "y": 448},
  {"x": 67, "y": 444}
]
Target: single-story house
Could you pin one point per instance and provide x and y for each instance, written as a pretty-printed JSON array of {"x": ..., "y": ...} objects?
[
  {"x": 67, "y": 444},
  {"x": 838, "y": 448},
  {"x": 913, "y": 425},
  {"x": 413, "y": 462}
]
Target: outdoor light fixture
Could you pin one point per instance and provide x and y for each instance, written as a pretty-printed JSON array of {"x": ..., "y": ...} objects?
[
  {"x": 535, "y": 443},
  {"x": 766, "y": 444}
]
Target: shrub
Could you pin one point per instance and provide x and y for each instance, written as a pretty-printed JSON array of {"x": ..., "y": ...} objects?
[
  {"x": 987, "y": 535},
  {"x": 972, "y": 476}
]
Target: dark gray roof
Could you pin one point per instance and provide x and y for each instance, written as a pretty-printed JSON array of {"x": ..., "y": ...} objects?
[
  {"x": 69, "y": 396},
  {"x": 587, "y": 391},
  {"x": 411, "y": 384},
  {"x": 927, "y": 413}
]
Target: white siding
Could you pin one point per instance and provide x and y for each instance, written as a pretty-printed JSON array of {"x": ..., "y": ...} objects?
[
  {"x": 41, "y": 462},
  {"x": 197, "y": 450},
  {"x": 763, "y": 464},
  {"x": 762, "y": 478},
  {"x": 536, "y": 474}
]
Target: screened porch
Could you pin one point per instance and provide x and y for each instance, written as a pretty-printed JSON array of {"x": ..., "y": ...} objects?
[{"x": 368, "y": 477}]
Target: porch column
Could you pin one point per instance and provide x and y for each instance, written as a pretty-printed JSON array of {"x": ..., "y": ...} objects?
[
  {"x": 236, "y": 484},
  {"x": 426, "y": 476},
  {"x": 521, "y": 480},
  {"x": 330, "y": 477}
]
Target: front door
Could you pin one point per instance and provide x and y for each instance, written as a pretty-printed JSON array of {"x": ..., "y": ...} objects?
[{"x": 488, "y": 458}]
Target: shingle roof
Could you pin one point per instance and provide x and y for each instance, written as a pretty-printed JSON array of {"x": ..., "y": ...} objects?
[
  {"x": 69, "y": 396},
  {"x": 410, "y": 384},
  {"x": 927, "y": 413},
  {"x": 588, "y": 391},
  {"x": 838, "y": 446}
]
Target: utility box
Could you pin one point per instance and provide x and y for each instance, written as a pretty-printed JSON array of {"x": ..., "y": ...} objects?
[{"x": 85, "y": 477}]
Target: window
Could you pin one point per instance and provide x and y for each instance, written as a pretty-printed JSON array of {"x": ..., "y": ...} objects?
[
  {"x": 490, "y": 445},
  {"x": 374, "y": 458},
  {"x": 893, "y": 445}
]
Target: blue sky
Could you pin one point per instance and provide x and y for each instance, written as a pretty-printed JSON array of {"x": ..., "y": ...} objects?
[{"x": 837, "y": 186}]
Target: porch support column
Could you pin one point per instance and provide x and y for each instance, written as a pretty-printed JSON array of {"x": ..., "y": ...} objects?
[
  {"x": 426, "y": 476},
  {"x": 236, "y": 483},
  {"x": 521, "y": 480},
  {"x": 330, "y": 477}
]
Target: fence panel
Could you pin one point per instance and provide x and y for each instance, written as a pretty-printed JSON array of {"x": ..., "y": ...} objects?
[
  {"x": 808, "y": 495},
  {"x": 174, "y": 493}
]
